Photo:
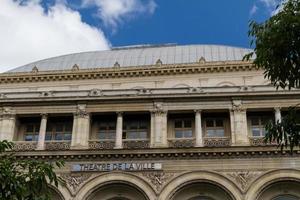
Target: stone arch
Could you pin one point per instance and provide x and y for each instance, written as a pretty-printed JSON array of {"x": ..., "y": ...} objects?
[
  {"x": 207, "y": 177},
  {"x": 181, "y": 85},
  {"x": 116, "y": 178},
  {"x": 225, "y": 84},
  {"x": 269, "y": 178}
]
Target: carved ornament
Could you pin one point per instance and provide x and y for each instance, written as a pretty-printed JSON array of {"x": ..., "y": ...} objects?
[
  {"x": 75, "y": 181},
  {"x": 158, "y": 179}
]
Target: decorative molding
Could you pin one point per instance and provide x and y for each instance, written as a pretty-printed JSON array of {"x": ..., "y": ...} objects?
[
  {"x": 75, "y": 181},
  {"x": 136, "y": 144},
  {"x": 47, "y": 94},
  {"x": 243, "y": 178},
  {"x": 260, "y": 141},
  {"x": 195, "y": 90},
  {"x": 217, "y": 141},
  {"x": 57, "y": 145},
  {"x": 104, "y": 144},
  {"x": 137, "y": 71},
  {"x": 24, "y": 146},
  {"x": 181, "y": 143},
  {"x": 158, "y": 179},
  {"x": 8, "y": 113},
  {"x": 95, "y": 92}
]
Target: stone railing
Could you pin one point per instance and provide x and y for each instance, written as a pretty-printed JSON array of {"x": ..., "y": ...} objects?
[
  {"x": 136, "y": 143},
  {"x": 181, "y": 142},
  {"x": 217, "y": 141},
  {"x": 57, "y": 145},
  {"x": 259, "y": 141},
  {"x": 101, "y": 144},
  {"x": 24, "y": 145}
]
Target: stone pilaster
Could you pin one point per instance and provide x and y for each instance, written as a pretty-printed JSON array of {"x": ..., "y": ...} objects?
[
  {"x": 7, "y": 124},
  {"x": 238, "y": 122},
  {"x": 119, "y": 131},
  {"x": 198, "y": 129},
  {"x": 159, "y": 128},
  {"x": 42, "y": 132},
  {"x": 277, "y": 114},
  {"x": 81, "y": 128}
]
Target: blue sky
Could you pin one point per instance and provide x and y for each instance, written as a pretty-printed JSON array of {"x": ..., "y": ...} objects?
[{"x": 35, "y": 29}]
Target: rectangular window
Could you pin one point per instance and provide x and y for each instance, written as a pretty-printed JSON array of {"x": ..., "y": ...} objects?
[
  {"x": 59, "y": 131},
  {"x": 32, "y": 132},
  {"x": 183, "y": 128},
  {"x": 257, "y": 125},
  {"x": 135, "y": 129},
  {"x": 106, "y": 130},
  {"x": 215, "y": 127}
]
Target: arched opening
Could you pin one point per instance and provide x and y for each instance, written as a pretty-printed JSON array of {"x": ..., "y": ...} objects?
[
  {"x": 201, "y": 191},
  {"x": 117, "y": 191},
  {"x": 281, "y": 190}
]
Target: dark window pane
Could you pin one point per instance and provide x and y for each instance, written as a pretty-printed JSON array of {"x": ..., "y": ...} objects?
[
  {"x": 59, "y": 127},
  {"x": 209, "y": 123},
  {"x": 219, "y": 123},
  {"x": 68, "y": 127},
  {"x": 254, "y": 121},
  {"x": 178, "y": 124},
  {"x": 143, "y": 125},
  {"x": 29, "y": 128},
  {"x": 142, "y": 135},
  {"x": 187, "y": 124}
]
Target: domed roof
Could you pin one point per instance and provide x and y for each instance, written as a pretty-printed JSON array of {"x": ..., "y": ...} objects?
[{"x": 142, "y": 55}]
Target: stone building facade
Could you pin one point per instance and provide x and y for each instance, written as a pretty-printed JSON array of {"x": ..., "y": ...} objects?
[{"x": 153, "y": 123}]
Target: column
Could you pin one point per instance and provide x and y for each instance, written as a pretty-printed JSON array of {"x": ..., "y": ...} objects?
[
  {"x": 119, "y": 131},
  {"x": 198, "y": 129},
  {"x": 277, "y": 115},
  {"x": 8, "y": 124},
  {"x": 159, "y": 127},
  {"x": 238, "y": 122},
  {"x": 42, "y": 132},
  {"x": 81, "y": 129}
]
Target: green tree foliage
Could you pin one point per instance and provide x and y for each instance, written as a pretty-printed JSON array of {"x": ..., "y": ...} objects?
[
  {"x": 25, "y": 179},
  {"x": 277, "y": 49}
]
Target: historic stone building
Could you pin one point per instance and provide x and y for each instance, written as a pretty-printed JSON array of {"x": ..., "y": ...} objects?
[{"x": 152, "y": 123}]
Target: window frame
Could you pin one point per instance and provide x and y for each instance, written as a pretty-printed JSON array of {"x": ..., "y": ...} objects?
[
  {"x": 35, "y": 133},
  {"x": 215, "y": 127},
  {"x": 260, "y": 126},
  {"x": 53, "y": 133},
  {"x": 138, "y": 131},
  {"x": 183, "y": 128}
]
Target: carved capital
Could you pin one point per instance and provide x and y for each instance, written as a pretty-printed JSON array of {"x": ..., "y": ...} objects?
[
  {"x": 8, "y": 113},
  {"x": 44, "y": 115},
  {"x": 81, "y": 111},
  {"x": 119, "y": 114},
  {"x": 237, "y": 106},
  {"x": 197, "y": 111}
]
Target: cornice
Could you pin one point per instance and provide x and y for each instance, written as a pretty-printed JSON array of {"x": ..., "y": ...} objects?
[
  {"x": 127, "y": 72},
  {"x": 161, "y": 154}
]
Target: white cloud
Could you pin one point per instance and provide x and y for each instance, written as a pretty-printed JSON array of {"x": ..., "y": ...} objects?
[
  {"x": 28, "y": 34},
  {"x": 253, "y": 10},
  {"x": 114, "y": 12},
  {"x": 271, "y": 6}
]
